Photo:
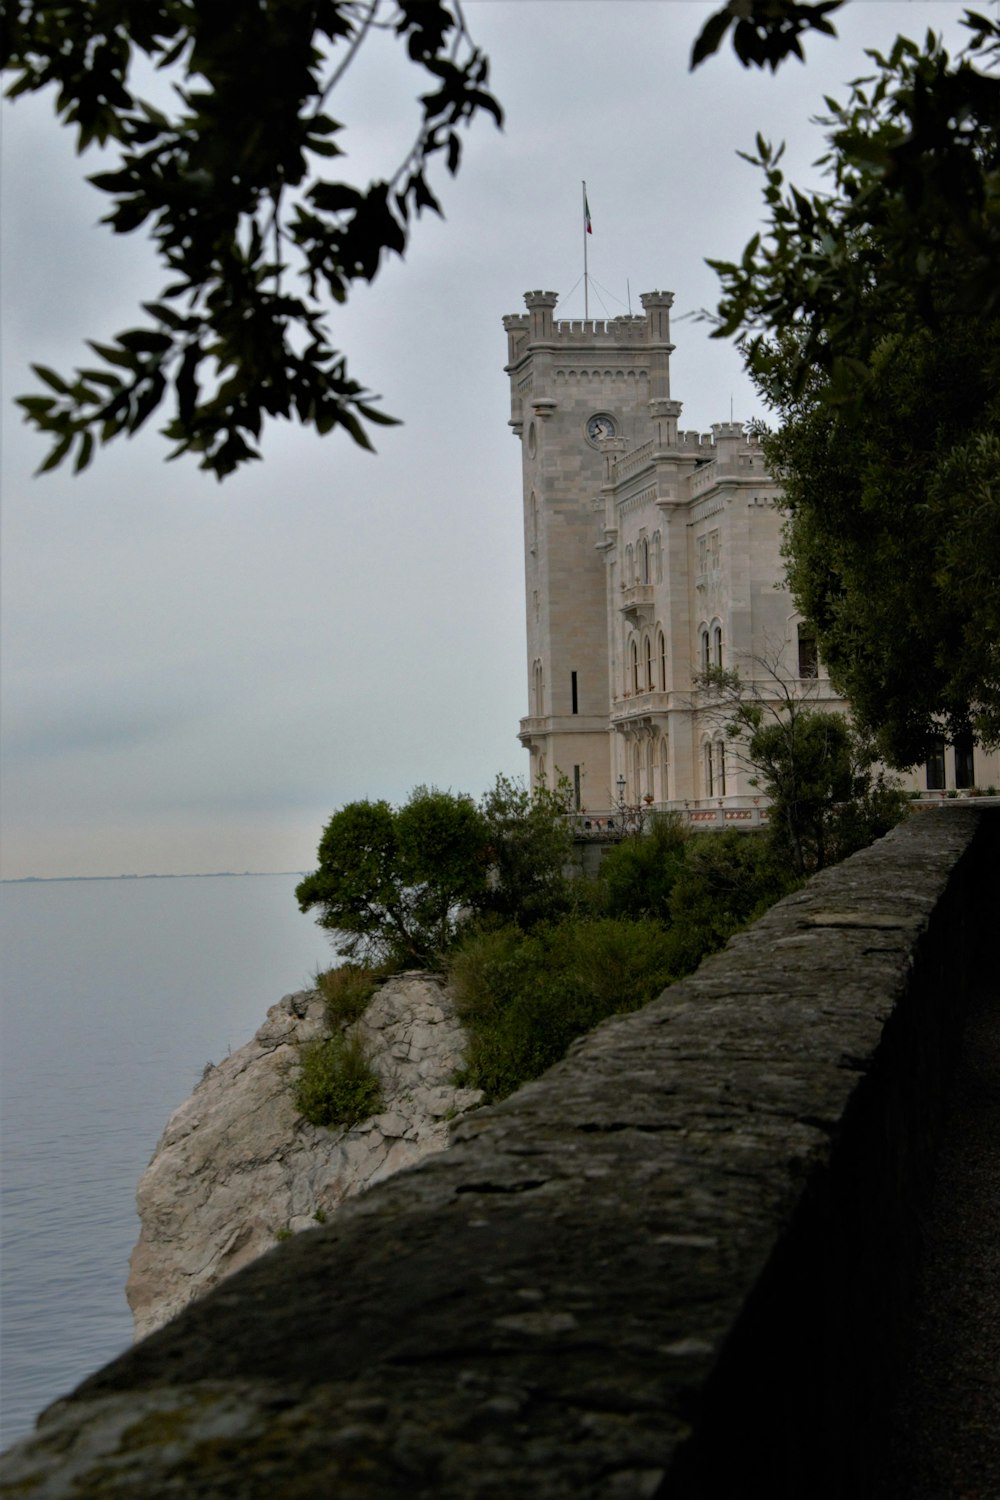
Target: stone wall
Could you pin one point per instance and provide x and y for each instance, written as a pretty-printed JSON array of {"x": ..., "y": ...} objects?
[{"x": 676, "y": 1266}]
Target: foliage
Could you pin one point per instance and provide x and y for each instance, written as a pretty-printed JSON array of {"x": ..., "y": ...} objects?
[
  {"x": 233, "y": 183},
  {"x": 728, "y": 880},
  {"x": 526, "y": 997},
  {"x": 393, "y": 883},
  {"x": 638, "y": 874},
  {"x": 336, "y": 1085},
  {"x": 346, "y": 991},
  {"x": 530, "y": 845},
  {"x": 893, "y": 536},
  {"x": 905, "y": 235},
  {"x": 765, "y": 32},
  {"x": 809, "y": 762},
  {"x": 870, "y": 314}
]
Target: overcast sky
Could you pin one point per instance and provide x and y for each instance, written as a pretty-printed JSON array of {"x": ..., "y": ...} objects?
[{"x": 195, "y": 676}]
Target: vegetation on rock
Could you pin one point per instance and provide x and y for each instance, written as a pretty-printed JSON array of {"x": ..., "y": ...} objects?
[{"x": 336, "y": 1085}]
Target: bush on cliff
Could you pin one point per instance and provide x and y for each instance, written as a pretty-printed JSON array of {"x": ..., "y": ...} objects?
[{"x": 336, "y": 1085}]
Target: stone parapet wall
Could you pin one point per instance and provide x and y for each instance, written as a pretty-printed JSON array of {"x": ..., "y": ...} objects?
[{"x": 676, "y": 1266}]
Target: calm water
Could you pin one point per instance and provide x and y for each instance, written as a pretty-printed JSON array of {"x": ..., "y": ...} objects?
[{"x": 115, "y": 995}]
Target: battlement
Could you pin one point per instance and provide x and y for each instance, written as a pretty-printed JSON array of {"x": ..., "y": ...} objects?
[{"x": 651, "y": 328}]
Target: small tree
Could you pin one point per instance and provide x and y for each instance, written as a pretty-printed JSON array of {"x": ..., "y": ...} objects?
[
  {"x": 530, "y": 844},
  {"x": 810, "y": 763},
  {"x": 393, "y": 882}
]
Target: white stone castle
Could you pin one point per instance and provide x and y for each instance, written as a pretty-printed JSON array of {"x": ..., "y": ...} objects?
[{"x": 650, "y": 554}]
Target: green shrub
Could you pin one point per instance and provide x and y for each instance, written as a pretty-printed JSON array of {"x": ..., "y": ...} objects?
[
  {"x": 336, "y": 1084},
  {"x": 346, "y": 991},
  {"x": 639, "y": 873},
  {"x": 525, "y": 997},
  {"x": 727, "y": 881}
]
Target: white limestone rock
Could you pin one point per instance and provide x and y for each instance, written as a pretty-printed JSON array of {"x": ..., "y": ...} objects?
[{"x": 237, "y": 1167}]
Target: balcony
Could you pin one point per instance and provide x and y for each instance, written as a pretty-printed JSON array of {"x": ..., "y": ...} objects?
[
  {"x": 636, "y": 603},
  {"x": 638, "y": 707}
]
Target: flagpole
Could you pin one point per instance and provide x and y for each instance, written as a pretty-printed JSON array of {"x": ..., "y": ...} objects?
[{"x": 586, "y": 298}]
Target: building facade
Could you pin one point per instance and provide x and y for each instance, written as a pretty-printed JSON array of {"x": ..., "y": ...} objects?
[{"x": 651, "y": 553}]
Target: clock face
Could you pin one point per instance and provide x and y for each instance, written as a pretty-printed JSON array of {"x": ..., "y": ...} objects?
[{"x": 601, "y": 425}]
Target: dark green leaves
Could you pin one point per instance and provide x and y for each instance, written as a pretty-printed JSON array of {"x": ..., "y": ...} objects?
[
  {"x": 255, "y": 246},
  {"x": 765, "y": 32}
]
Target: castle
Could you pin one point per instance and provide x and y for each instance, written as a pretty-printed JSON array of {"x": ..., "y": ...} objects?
[{"x": 650, "y": 554}]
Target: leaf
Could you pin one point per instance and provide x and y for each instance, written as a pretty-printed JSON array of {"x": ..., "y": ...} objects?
[
  {"x": 56, "y": 456},
  {"x": 710, "y": 38},
  {"x": 86, "y": 451},
  {"x": 51, "y": 379}
]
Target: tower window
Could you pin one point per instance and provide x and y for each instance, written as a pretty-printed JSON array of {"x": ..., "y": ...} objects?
[{"x": 572, "y": 680}]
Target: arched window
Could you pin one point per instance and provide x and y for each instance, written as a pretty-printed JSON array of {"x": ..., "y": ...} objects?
[
  {"x": 661, "y": 656},
  {"x": 643, "y": 560},
  {"x": 538, "y": 684},
  {"x": 629, "y": 579},
  {"x": 716, "y": 644},
  {"x": 704, "y": 650},
  {"x": 534, "y": 522},
  {"x": 709, "y": 770},
  {"x": 648, "y": 645},
  {"x": 650, "y": 766},
  {"x": 664, "y": 765},
  {"x": 636, "y": 772},
  {"x": 634, "y": 661},
  {"x": 657, "y": 557}
]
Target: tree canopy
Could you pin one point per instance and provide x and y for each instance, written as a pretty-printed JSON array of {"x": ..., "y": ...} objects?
[
  {"x": 256, "y": 227},
  {"x": 870, "y": 316}
]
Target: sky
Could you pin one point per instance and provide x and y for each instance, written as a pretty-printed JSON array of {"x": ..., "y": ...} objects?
[{"x": 195, "y": 676}]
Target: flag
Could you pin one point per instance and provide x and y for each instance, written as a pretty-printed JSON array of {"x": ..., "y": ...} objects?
[{"x": 586, "y": 216}]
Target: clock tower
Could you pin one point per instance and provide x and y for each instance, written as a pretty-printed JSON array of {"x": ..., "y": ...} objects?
[{"x": 582, "y": 394}]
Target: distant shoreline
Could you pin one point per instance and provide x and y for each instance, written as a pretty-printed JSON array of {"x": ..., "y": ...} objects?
[{"x": 187, "y": 875}]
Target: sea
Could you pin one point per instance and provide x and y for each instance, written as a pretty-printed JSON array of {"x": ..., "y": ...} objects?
[{"x": 115, "y": 994}]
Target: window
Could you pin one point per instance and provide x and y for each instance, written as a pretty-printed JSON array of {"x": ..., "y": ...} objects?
[
  {"x": 720, "y": 767},
  {"x": 538, "y": 684},
  {"x": 709, "y": 772},
  {"x": 808, "y": 655},
  {"x": 629, "y": 567},
  {"x": 661, "y": 652},
  {"x": 643, "y": 559},
  {"x": 573, "y": 692},
  {"x": 965, "y": 762},
  {"x": 704, "y": 650},
  {"x": 649, "y": 664},
  {"x": 716, "y": 644},
  {"x": 664, "y": 763},
  {"x": 935, "y": 765},
  {"x": 634, "y": 655},
  {"x": 657, "y": 557},
  {"x": 576, "y": 787}
]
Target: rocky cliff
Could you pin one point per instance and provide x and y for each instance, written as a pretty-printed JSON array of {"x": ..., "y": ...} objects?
[{"x": 237, "y": 1168}]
